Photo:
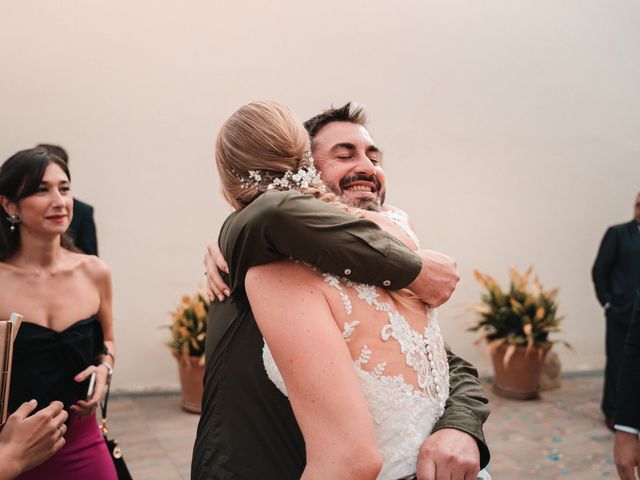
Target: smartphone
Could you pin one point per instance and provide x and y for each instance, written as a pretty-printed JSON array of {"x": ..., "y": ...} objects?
[{"x": 92, "y": 384}]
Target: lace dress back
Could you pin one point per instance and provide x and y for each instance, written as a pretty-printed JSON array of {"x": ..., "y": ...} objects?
[
  {"x": 401, "y": 219},
  {"x": 400, "y": 360}
]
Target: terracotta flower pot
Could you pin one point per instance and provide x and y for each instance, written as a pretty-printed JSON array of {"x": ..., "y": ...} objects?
[
  {"x": 519, "y": 376},
  {"x": 191, "y": 380}
]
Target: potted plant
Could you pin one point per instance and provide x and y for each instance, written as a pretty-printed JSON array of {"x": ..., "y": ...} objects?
[
  {"x": 516, "y": 324},
  {"x": 188, "y": 334}
]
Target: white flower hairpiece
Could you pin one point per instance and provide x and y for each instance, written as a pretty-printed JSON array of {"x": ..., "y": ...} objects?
[{"x": 301, "y": 178}]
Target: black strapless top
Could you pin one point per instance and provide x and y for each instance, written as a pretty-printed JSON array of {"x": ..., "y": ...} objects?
[{"x": 45, "y": 362}]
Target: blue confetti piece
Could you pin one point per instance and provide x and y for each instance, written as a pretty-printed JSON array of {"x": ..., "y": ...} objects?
[{"x": 554, "y": 457}]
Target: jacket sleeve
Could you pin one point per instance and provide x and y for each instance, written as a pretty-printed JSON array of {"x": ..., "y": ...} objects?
[
  {"x": 292, "y": 225},
  {"x": 88, "y": 241},
  {"x": 600, "y": 273},
  {"x": 467, "y": 406},
  {"x": 628, "y": 413}
]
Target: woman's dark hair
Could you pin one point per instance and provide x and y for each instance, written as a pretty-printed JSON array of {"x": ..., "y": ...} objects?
[
  {"x": 20, "y": 177},
  {"x": 57, "y": 150}
]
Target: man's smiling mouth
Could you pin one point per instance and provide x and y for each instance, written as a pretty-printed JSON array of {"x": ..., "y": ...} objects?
[{"x": 360, "y": 188}]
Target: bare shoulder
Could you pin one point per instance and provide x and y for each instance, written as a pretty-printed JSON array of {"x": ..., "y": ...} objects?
[
  {"x": 391, "y": 208},
  {"x": 399, "y": 212},
  {"x": 8, "y": 274},
  {"x": 280, "y": 274},
  {"x": 93, "y": 267},
  {"x": 6, "y": 268}
]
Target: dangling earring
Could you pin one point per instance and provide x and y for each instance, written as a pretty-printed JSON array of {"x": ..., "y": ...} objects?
[{"x": 13, "y": 220}]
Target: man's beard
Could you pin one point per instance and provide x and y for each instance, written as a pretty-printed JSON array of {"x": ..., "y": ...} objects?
[
  {"x": 362, "y": 203},
  {"x": 374, "y": 205}
]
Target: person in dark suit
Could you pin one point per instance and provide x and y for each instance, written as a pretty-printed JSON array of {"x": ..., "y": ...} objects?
[
  {"x": 82, "y": 229},
  {"x": 626, "y": 450},
  {"x": 616, "y": 277}
]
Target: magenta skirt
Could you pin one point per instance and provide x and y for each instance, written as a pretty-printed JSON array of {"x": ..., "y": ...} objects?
[{"x": 83, "y": 457}]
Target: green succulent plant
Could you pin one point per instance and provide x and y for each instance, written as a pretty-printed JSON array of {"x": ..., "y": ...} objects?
[
  {"x": 189, "y": 328},
  {"x": 523, "y": 315}
]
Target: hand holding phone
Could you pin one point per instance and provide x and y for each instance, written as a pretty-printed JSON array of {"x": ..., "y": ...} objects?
[{"x": 92, "y": 384}]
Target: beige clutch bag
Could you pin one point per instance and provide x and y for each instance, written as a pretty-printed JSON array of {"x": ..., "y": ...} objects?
[{"x": 8, "y": 331}]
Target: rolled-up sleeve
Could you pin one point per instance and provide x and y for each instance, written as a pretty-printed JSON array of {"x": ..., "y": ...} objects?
[
  {"x": 289, "y": 224},
  {"x": 467, "y": 406}
]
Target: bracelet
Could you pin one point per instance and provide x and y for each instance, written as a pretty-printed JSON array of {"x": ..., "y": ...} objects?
[
  {"x": 109, "y": 354},
  {"x": 109, "y": 368}
]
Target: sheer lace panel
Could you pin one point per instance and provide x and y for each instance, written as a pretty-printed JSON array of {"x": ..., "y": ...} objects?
[
  {"x": 400, "y": 361},
  {"x": 388, "y": 344},
  {"x": 402, "y": 220}
]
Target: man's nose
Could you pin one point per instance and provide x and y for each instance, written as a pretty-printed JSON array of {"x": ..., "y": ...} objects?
[{"x": 364, "y": 165}]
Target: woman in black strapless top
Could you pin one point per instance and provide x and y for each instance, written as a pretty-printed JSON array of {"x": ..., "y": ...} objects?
[
  {"x": 65, "y": 297},
  {"x": 45, "y": 362}
]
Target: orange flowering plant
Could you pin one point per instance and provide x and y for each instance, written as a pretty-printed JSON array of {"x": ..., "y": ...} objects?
[
  {"x": 189, "y": 328},
  {"x": 523, "y": 315}
]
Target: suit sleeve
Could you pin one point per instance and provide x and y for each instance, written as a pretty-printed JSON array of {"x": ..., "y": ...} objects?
[
  {"x": 467, "y": 406},
  {"x": 600, "y": 273},
  {"x": 291, "y": 225},
  {"x": 88, "y": 241},
  {"x": 628, "y": 413}
]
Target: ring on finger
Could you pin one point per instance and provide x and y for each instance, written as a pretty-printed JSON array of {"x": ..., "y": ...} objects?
[{"x": 61, "y": 428}]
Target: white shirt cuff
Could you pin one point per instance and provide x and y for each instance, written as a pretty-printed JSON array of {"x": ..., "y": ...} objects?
[{"x": 624, "y": 428}]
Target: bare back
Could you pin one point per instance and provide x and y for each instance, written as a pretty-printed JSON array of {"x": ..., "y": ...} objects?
[
  {"x": 396, "y": 363},
  {"x": 384, "y": 334}
]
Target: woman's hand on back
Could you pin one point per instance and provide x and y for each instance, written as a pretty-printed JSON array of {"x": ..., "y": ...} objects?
[{"x": 214, "y": 263}]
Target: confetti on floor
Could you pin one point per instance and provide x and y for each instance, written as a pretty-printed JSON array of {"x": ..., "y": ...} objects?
[{"x": 561, "y": 435}]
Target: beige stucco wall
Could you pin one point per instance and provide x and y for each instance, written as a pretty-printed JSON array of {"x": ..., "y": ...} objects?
[{"x": 510, "y": 131}]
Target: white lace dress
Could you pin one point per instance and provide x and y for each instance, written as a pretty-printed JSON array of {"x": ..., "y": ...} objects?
[{"x": 403, "y": 413}]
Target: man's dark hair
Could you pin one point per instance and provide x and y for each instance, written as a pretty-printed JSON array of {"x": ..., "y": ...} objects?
[
  {"x": 350, "y": 112},
  {"x": 56, "y": 150}
]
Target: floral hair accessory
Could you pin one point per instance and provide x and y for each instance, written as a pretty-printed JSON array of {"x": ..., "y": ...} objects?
[{"x": 301, "y": 178}]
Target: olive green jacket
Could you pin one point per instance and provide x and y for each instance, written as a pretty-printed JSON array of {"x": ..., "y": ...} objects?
[{"x": 239, "y": 402}]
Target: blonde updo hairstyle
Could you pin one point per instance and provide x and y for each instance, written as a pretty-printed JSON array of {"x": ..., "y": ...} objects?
[
  {"x": 267, "y": 136},
  {"x": 263, "y": 136}
]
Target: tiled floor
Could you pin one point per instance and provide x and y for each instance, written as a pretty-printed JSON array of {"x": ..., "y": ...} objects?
[
  {"x": 560, "y": 436},
  {"x": 155, "y": 435}
]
